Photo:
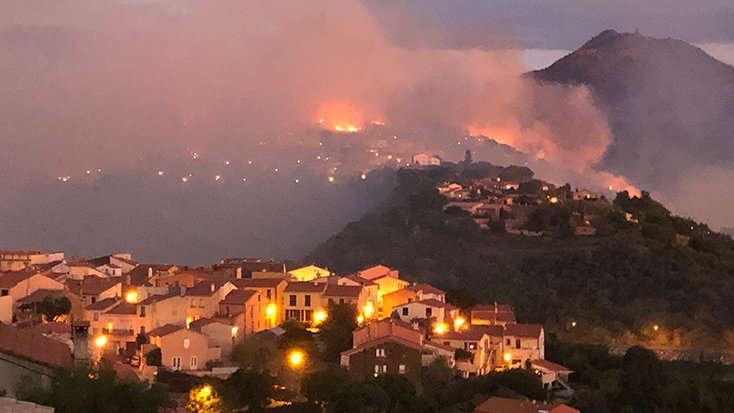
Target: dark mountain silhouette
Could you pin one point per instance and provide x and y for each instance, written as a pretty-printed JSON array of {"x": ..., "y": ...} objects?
[{"x": 669, "y": 105}]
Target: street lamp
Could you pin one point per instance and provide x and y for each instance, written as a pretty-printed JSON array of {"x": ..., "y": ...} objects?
[
  {"x": 439, "y": 329},
  {"x": 458, "y": 323},
  {"x": 295, "y": 358},
  {"x": 319, "y": 317},
  {"x": 270, "y": 311}
]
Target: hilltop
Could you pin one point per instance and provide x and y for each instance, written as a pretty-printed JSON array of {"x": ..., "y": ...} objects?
[{"x": 641, "y": 267}]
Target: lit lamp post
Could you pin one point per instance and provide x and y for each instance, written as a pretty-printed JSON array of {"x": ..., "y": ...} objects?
[
  {"x": 458, "y": 323},
  {"x": 296, "y": 358},
  {"x": 234, "y": 334},
  {"x": 131, "y": 297},
  {"x": 508, "y": 358},
  {"x": 101, "y": 341},
  {"x": 439, "y": 329}
]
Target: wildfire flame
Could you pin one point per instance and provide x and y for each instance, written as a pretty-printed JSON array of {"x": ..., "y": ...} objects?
[{"x": 339, "y": 116}]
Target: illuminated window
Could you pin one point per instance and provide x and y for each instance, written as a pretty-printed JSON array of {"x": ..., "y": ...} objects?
[
  {"x": 186, "y": 343},
  {"x": 194, "y": 362},
  {"x": 401, "y": 369},
  {"x": 380, "y": 352}
]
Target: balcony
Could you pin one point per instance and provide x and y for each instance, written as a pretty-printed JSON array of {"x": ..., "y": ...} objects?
[{"x": 118, "y": 332}]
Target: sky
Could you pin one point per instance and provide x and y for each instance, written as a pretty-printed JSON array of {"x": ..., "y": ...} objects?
[{"x": 187, "y": 131}]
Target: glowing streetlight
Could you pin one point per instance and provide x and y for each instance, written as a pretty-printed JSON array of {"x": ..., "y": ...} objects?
[
  {"x": 360, "y": 319},
  {"x": 270, "y": 310},
  {"x": 319, "y": 317},
  {"x": 100, "y": 341},
  {"x": 553, "y": 200},
  {"x": 295, "y": 358},
  {"x": 369, "y": 309},
  {"x": 439, "y": 329},
  {"x": 458, "y": 323},
  {"x": 234, "y": 331},
  {"x": 507, "y": 357},
  {"x": 131, "y": 297},
  {"x": 656, "y": 327},
  {"x": 160, "y": 173},
  {"x": 364, "y": 176},
  {"x": 331, "y": 179},
  {"x": 573, "y": 324}
]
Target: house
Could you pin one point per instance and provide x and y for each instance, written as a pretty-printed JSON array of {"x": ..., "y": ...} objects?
[
  {"x": 73, "y": 269},
  {"x": 254, "y": 268},
  {"x": 183, "y": 348},
  {"x": 353, "y": 294},
  {"x": 303, "y": 300},
  {"x": 427, "y": 292},
  {"x": 21, "y": 260},
  {"x": 497, "y": 314},
  {"x": 272, "y": 288},
  {"x": 386, "y": 327},
  {"x": 92, "y": 288},
  {"x": 120, "y": 327},
  {"x": 110, "y": 270},
  {"x": 395, "y": 298},
  {"x": 433, "y": 350},
  {"x": 93, "y": 314},
  {"x": 423, "y": 159},
  {"x": 387, "y": 280},
  {"x": 249, "y": 309},
  {"x": 370, "y": 288},
  {"x": 431, "y": 308},
  {"x": 388, "y": 354},
  {"x": 503, "y": 405},
  {"x": 584, "y": 194},
  {"x": 159, "y": 310},
  {"x": 77, "y": 303},
  {"x": 220, "y": 332},
  {"x": 24, "y": 353},
  {"x": 522, "y": 343},
  {"x": 470, "y": 207},
  {"x": 551, "y": 374},
  {"x": 204, "y": 297},
  {"x": 483, "y": 342},
  {"x": 378, "y": 271},
  {"x": 491, "y": 210},
  {"x": 308, "y": 273},
  {"x": 19, "y": 284},
  {"x": 6, "y": 309},
  {"x": 141, "y": 274}
]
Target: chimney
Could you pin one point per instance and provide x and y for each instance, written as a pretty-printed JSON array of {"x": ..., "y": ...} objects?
[
  {"x": 80, "y": 339},
  {"x": 495, "y": 307},
  {"x": 150, "y": 272}
]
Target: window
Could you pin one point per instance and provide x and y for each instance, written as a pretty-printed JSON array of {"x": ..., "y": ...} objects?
[
  {"x": 331, "y": 301},
  {"x": 187, "y": 343},
  {"x": 94, "y": 300},
  {"x": 410, "y": 300},
  {"x": 380, "y": 369},
  {"x": 96, "y": 316},
  {"x": 307, "y": 316},
  {"x": 293, "y": 315},
  {"x": 142, "y": 311},
  {"x": 384, "y": 368},
  {"x": 401, "y": 369},
  {"x": 380, "y": 352},
  {"x": 259, "y": 297},
  {"x": 405, "y": 310},
  {"x": 194, "y": 362},
  {"x": 472, "y": 346},
  {"x": 292, "y": 300},
  {"x": 176, "y": 363},
  {"x": 269, "y": 294},
  {"x": 509, "y": 342},
  {"x": 429, "y": 312},
  {"x": 4, "y": 293},
  {"x": 517, "y": 343},
  {"x": 307, "y": 301},
  {"x": 193, "y": 303},
  {"x": 201, "y": 303},
  {"x": 341, "y": 301}
]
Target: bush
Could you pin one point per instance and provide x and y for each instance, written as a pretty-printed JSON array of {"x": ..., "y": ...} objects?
[{"x": 154, "y": 357}]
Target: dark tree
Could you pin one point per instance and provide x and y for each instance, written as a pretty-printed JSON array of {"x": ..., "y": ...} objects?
[
  {"x": 467, "y": 157},
  {"x": 248, "y": 389},
  {"x": 53, "y": 308},
  {"x": 336, "y": 331}
]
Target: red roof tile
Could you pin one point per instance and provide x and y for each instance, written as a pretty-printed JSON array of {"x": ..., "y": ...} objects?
[
  {"x": 238, "y": 297},
  {"x": 333, "y": 290},
  {"x": 102, "y": 305},
  {"x": 435, "y": 303},
  {"x": 305, "y": 287},
  {"x": 12, "y": 278},
  {"x": 124, "y": 308},
  {"x": 257, "y": 282},
  {"x": 155, "y": 298},
  {"x": 360, "y": 280},
  {"x": 165, "y": 330},
  {"x": 523, "y": 330},
  {"x": 34, "y": 347},
  {"x": 380, "y": 340},
  {"x": 39, "y": 295},
  {"x": 92, "y": 285},
  {"x": 205, "y": 288},
  {"x": 549, "y": 365},
  {"x": 427, "y": 289},
  {"x": 503, "y": 405}
]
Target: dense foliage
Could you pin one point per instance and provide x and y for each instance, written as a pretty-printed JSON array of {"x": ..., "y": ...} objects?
[{"x": 645, "y": 269}]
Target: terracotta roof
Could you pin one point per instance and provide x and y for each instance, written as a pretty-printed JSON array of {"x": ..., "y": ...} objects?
[
  {"x": 92, "y": 285},
  {"x": 125, "y": 260},
  {"x": 124, "y": 308},
  {"x": 435, "y": 303},
  {"x": 39, "y": 295},
  {"x": 205, "y": 288},
  {"x": 20, "y": 252},
  {"x": 380, "y": 340},
  {"x": 333, "y": 290},
  {"x": 305, "y": 287},
  {"x": 198, "y": 324},
  {"x": 257, "y": 282},
  {"x": 502, "y": 316},
  {"x": 490, "y": 330},
  {"x": 549, "y": 365},
  {"x": 12, "y": 278},
  {"x": 438, "y": 346},
  {"x": 34, "y": 347},
  {"x": 165, "y": 330},
  {"x": 155, "y": 298},
  {"x": 464, "y": 335},
  {"x": 427, "y": 289},
  {"x": 562, "y": 408},
  {"x": 238, "y": 297},
  {"x": 52, "y": 328},
  {"x": 377, "y": 271},
  {"x": 269, "y": 266},
  {"x": 523, "y": 330},
  {"x": 503, "y": 405},
  {"x": 356, "y": 278},
  {"x": 103, "y": 304}
]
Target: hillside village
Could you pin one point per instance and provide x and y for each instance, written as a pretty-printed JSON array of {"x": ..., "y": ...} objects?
[{"x": 148, "y": 317}]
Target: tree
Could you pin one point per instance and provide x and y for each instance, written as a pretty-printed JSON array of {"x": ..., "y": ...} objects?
[
  {"x": 154, "y": 357},
  {"x": 51, "y": 307},
  {"x": 336, "y": 331},
  {"x": 204, "y": 399},
  {"x": 467, "y": 157},
  {"x": 249, "y": 389},
  {"x": 461, "y": 298},
  {"x": 322, "y": 385},
  {"x": 641, "y": 382},
  {"x": 255, "y": 352},
  {"x": 86, "y": 389}
]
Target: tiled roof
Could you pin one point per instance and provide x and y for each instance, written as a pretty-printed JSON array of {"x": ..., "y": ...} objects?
[
  {"x": 464, "y": 335},
  {"x": 12, "y": 278},
  {"x": 562, "y": 408},
  {"x": 438, "y": 346},
  {"x": 490, "y": 330},
  {"x": 103, "y": 304},
  {"x": 523, "y": 330},
  {"x": 20, "y": 252},
  {"x": 155, "y": 298},
  {"x": 502, "y": 405},
  {"x": 238, "y": 297},
  {"x": 502, "y": 316},
  {"x": 377, "y": 271},
  {"x": 198, "y": 324},
  {"x": 380, "y": 340},
  {"x": 39, "y": 295},
  {"x": 435, "y": 303},
  {"x": 124, "y": 308},
  {"x": 52, "y": 328},
  {"x": 427, "y": 289},
  {"x": 257, "y": 282},
  {"x": 125, "y": 260},
  {"x": 92, "y": 285},
  {"x": 205, "y": 288},
  {"x": 165, "y": 330},
  {"x": 333, "y": 290},
  {"x": 360, "y": 280},
  {"x": 304, "y": 287},
  {"x": 549, "y": 365},
  {"x": 34, "y": 347}
]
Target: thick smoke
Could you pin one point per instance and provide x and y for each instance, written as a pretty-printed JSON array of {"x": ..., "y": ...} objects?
[{"x": 131, "y": 86}]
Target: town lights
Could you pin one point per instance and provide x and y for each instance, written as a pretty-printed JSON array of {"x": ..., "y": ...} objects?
[
  {"x": 295, "y": 358},
  {"x": 368, "y": 309},
  {"x": 573, "y": 324},
  {"x": 319, "y": 317},
  {"x": 458, "y": 323},
  {"x": 655, "y": 327},
  {"x": 131, "y": 297},
  {"x": 507, "y": 357},
  {"x": 270, "y": 310},
  {"x": 439, "y": 329},
  {"x": 360, "y": 319},
  {"x": 234, "y": 331},
  {"x": 100, "y": 341},
  {"x": 553, "y": 200}
]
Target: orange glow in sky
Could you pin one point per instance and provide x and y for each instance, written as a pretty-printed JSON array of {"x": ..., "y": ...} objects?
[{"x": 339, "y": 116}]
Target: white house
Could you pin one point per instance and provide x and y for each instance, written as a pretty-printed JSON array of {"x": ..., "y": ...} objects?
[
  {"x": 431, "y": 308},
  {"x": 423, "y": 159}
]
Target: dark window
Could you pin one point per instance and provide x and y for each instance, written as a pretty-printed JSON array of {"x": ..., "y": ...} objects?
[
  {"x": 259, "y": 297},
  {"x": 517, "y": 343},
  {"x": 307, "y": 316},
  {"x": 142, "y": 311},
  {"x": 94, "y": 300},
  {"x": 405, "y": 311},
  {"x": 509, "y": 341},
  {"x": 307, "y": 301},
  {"x": 293, "y": 315},
  {"x": 429, "y": 312},
  {"x": 4, "y": 293},
  {"x": 331, "y": 301},
  {"x": 293, "y": 300},
  {"x": 142, "y": 330},
  {"x": 269, "y": 294},
  {"x": 410, "y": 300},
  {"x": 341, "y": 301}
]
